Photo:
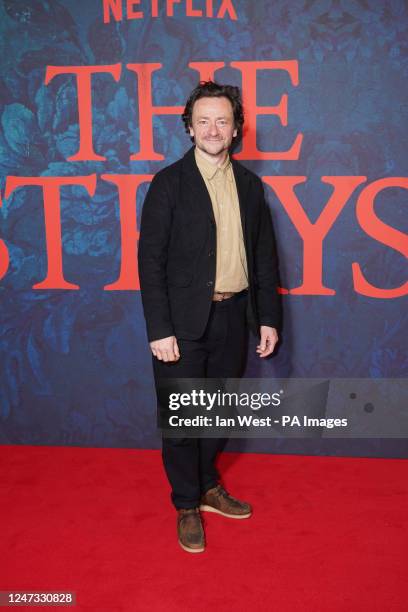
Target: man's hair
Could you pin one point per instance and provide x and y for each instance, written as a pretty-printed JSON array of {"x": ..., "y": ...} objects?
[{"x": 210, "y": 89}]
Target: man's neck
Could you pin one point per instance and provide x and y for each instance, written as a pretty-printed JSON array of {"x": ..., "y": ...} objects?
[{"x": 215, "y": 160}]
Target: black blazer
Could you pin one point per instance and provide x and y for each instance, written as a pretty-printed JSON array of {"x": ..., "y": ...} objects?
[{"x": 177, "y": 251}]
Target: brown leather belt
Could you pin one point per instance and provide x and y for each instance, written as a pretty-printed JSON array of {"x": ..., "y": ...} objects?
[{"x": 219, "y": 296}]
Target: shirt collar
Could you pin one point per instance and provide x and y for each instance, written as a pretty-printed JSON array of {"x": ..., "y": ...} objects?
[{"x": 208, "y": 169}]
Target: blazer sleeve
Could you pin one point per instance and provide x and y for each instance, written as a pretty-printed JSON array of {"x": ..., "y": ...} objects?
[
  {"x": 266, "y": 268},
  {"x": 154, "y": 237}
]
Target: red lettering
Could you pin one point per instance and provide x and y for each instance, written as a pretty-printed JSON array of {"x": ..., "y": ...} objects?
[
  {"x": 130, "y": 12},
  {"x": 127, "y": 185},
  {"x": 155, "y": 8},
  {"x": 4, "y": 259},
  {"x": 227, "y": 7},
  {"x": 4, "y": 255},
  {"x": 209, "y": 8},
  {"x": 51, "y": 186},
  {"x": 313, "y": 234},
  {"x": 170, "y": 6},
  {"x": 190, "y": 11},
  {"x": 147, "y": 110},
  {"x": 381, "y": 232},
  {"x": 115, "y": 6},
  {"x": 249, "y": 72},
  {"x": 83, "y": 77}
]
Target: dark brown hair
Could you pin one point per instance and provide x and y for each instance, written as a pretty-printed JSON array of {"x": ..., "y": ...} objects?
[{"x": 210, "y": 89}]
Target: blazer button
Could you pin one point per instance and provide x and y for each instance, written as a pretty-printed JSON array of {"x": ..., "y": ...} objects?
[
  {"x": 210, "y": 283},
  {"x": 211, "y": 254}
]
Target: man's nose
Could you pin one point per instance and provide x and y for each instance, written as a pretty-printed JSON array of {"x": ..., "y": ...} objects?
[{"x": 213, "y": 129}]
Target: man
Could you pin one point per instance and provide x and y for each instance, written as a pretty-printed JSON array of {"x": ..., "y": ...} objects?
[{"x": 207, "y": 267}]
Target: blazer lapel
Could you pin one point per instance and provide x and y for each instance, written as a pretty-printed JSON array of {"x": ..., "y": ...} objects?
[
  {"x": 242, "y": 182},
  {"x": 193, "y": 183}
]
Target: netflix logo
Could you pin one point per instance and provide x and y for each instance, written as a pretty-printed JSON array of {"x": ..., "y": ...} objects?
[{"x": 118, "y": 10}]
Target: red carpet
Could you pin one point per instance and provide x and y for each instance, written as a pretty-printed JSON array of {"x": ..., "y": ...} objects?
[{"x": 327, "y": 533}]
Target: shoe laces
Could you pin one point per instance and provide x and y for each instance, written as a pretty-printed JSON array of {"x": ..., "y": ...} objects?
[{"x": 221, "y": 492}]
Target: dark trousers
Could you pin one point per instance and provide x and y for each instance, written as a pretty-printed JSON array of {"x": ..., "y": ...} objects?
[{"x": 220, "y": 353}]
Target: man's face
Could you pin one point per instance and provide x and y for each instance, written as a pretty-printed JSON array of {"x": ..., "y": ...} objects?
[{"x": 213, "y": 125}]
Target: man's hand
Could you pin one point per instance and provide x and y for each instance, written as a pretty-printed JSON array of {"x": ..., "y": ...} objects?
[
  {"x": 166, "y": 349},
  {"x": 269, "y": 337}
]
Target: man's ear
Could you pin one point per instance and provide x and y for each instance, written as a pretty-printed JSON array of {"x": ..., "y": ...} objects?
[
  {"x": 234, "y": 133},
  {"x": 191, "y": 131}
]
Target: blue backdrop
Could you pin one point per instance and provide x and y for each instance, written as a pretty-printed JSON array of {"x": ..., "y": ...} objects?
[{"x": 75, "y": 365}]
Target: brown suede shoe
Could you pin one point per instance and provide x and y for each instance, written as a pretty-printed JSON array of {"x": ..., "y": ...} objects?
[
  {"x": 219, "y": 501},
  {"x": 190, "y": 530}
]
